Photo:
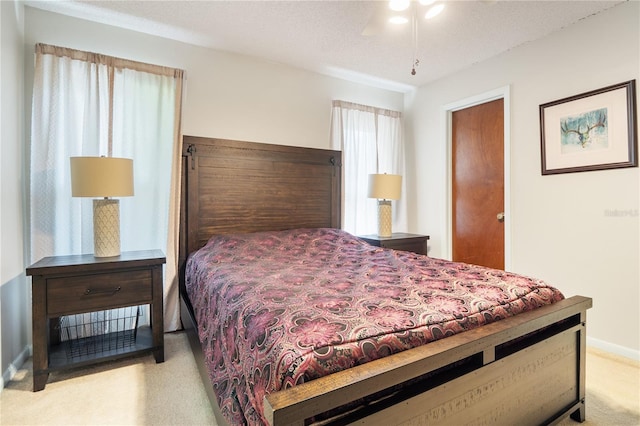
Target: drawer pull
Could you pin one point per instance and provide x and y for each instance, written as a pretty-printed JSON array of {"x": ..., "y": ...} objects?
[{"x": 89, "y": 291}]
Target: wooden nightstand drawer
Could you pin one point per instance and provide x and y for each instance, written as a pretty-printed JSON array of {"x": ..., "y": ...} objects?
[{"x": 86, "y": 293}]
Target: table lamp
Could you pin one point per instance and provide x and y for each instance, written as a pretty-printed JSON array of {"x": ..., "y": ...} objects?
[
  {"x": 103, "y": 177},
  {"x": 385, "y": 188}
]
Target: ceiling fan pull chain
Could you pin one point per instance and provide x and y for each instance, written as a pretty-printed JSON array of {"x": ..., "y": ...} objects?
[{"x": 414, "y": 35}]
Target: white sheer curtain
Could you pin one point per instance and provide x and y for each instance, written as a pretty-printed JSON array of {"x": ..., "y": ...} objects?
[
  {"x": 86, "y": 104},
  {"x": 371, "y": 142}
]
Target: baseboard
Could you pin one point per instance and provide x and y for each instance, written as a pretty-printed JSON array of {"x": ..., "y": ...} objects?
[
  {"x": 613, "y": 348},
  {"x": 13, "y": 368}
]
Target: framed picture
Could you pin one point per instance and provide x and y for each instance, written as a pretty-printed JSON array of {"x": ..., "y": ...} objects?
[{"x": 596, "y": 130}]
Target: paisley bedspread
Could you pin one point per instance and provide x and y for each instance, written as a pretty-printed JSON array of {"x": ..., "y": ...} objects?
[{"x": 275, "y": 309}]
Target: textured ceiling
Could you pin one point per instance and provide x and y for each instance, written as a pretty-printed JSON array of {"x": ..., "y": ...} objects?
[{"x": 326, "y": 36}]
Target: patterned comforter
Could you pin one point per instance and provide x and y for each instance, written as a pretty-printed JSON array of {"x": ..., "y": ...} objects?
[{"x": 275, "y": 309}]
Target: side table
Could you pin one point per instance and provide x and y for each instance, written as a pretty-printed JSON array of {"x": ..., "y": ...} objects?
[
  {"x": 67, "y": 285},
  {"x": 400, "y": 241}
]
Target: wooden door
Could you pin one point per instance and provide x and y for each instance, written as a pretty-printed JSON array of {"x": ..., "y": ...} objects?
[{"x": 478, "y": 184}]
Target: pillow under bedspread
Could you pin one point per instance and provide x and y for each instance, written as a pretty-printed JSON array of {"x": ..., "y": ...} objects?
[{"x": 275, "y": 309}]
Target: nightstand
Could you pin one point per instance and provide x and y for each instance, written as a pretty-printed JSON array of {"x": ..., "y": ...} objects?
[
  {"x": 399, "y": 241},
  {"x": 68, "y": 285}
]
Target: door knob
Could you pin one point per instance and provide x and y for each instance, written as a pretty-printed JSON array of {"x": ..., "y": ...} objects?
[{"x": 500, "y": 217}]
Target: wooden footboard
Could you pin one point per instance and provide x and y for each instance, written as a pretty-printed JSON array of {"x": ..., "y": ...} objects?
[{"x": 527, "y": 369}]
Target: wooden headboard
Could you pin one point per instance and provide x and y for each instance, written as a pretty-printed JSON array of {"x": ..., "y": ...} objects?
[{"x": 237, "y": 187}]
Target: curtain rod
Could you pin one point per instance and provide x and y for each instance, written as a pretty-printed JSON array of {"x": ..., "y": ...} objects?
[{"x": 98, "y": 58}]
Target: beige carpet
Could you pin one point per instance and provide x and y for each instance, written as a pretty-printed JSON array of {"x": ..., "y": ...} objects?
[
  {"x": 140, "y": 392},
  {"x": 134, "y": 391}
]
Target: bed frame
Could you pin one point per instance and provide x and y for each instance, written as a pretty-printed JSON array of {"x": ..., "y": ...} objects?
[{"x": 527, "y": 369}]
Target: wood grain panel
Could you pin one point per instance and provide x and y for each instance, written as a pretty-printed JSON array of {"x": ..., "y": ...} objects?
[
  {"x": 86, "y": 293},
  {"x": 485, "y": 397},
  {"x": 237, "y": 187}
]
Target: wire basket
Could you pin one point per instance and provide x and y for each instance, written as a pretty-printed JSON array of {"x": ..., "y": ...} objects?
[{"x": 99, "y": 332}]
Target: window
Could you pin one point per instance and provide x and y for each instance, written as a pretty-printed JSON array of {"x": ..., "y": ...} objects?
[
  {"x": 371, "y": 142},
  {"x": 86, "y": 104}
]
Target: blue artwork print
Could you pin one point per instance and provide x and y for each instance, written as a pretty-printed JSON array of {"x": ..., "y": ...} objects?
[{"x": 584, "y": 132}]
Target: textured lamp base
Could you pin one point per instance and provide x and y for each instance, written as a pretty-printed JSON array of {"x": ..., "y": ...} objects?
[
  {"x": 106, "y": 227},
  {"x": 384, "y": 218}
]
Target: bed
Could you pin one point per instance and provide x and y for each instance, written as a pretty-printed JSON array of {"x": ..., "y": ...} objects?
[{"x": 527, "y": 368}]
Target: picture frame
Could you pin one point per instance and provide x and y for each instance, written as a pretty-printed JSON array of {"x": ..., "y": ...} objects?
[{"x": 596, "y": 130}]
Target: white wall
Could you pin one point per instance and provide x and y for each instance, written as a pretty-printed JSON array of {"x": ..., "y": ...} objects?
[
  {"x": 14, "y": 320},
  {"x": 560, "y": 227}
]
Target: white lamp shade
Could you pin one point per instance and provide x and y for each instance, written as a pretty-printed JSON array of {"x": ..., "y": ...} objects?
[
  {"x": 384, "y": 186},
  {"x": 101, "y": 177}
]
